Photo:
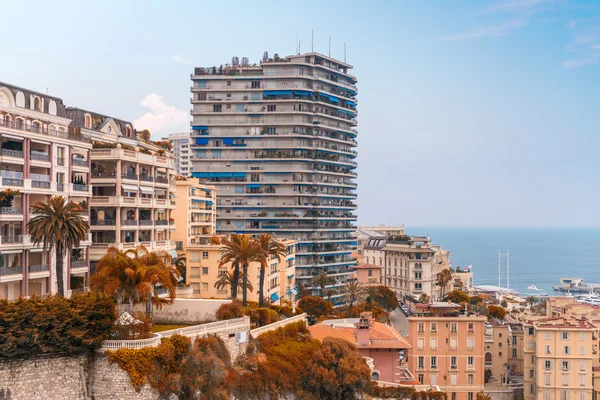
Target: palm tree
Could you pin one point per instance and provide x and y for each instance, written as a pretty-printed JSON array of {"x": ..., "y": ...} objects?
[
  {"x": 354, "y": 292},
  {"x": 531, "y": 301},
  {"x": 58, "y": 225},
  {"x": 131, "y": 277},
  {"x": 222, "y": 240},
  {"x": 322, "y": 280},
  {"x": 372, "y": 294},
  {"x": 270, "y": 247},
  {"x": 443, "y": 279},
  {"x": 180, "y": 264},
  {"x": 226, "y": 280},
  {"x": 330, "y": 292},
  {"x": 241, "y": 250}
]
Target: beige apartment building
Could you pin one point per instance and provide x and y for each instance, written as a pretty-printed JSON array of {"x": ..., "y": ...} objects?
[
  {"x": 498, "y": 349},
  {"x": 515, "y": 358},
  {"x": 410, "y": 264},
  {"x": 559, "y": 354},
  {"x": 41, "y": 156},
  {"x": 131, "y": 184},
  {"x": 447, "y": 349}
]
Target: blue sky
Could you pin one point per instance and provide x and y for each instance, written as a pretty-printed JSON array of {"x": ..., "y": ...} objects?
[{"x": 470, "y": 114}]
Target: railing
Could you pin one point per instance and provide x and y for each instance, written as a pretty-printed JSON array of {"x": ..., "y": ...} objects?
[
  {"x": 60, "y": 187},
  {"x": 11, "y": 239},
  {"x": 213, "y": 327},
  {"x": 79, "y": 264},
  {"x": 97, "y": 174},
  {"x": 10, "y": 271},
  {"x": 12, "y": 153},
  {"x": 11, "y": 210},
  {"x": 259, "y": 331},
  {"x": 12, "y": 182},
  {"x": 60, "y": 161},
  {"x": 129, "y": 222},
  {"x": 38, "y": 129},
  {"x": 146, "y": 222},
  {"x": 40, "y": 184},
  {"x": 160, "y": 179},
  {"x": 146, "y": 178},
  {"x": 79, "y": 162},
  {"x": 129, "y": 176},
  {"x": 81, "y": 188},
  {"x": 105, "y": 222},
  {"x": 39, "y": 157},
  {"x": 38, "y": 268},
  {"x": 131, "y": 344},
  {"x": 161, "y": 222}
]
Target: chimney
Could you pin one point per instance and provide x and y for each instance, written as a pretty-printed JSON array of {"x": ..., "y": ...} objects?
[{"x": 363, "y": 328}]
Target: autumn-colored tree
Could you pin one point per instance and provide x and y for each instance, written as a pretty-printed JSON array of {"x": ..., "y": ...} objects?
[
  {"x": 382, "y": 296},
  {"x": 229, "y": 311},
  {"x": 443, "y": 278},
  {"x": 496, "y": 312},
  {"x": 269, "y": 248},
  {"x": 315, "y": 307},
  {"x": 58, "y": 225},
  {"x": 476, "y": 299},
  {"x": 323, "y": 280},
  {"x": 481, "y": 395},
  {"x": 458, "y": 297},
  {"x": 424, "y": 298}
]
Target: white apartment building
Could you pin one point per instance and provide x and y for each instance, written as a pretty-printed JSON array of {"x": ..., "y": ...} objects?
[
  {"x": 41, "y": 156},
  {"x": 132, "y": 185},
  {"x": 277, "y": 141},
  {"x": 410, "y": 264},
  {"x": 181, "y": 143}
]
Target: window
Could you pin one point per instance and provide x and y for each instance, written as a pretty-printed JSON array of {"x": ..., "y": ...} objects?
[
  {"x": 500, "y": 354},
  {"x": 453, "y": 364},
  {"x": 565, "y": 335},
  {"x": 470, "y": 361},
  {"x": 547, "y": 380},
  {"x": 581, "y": 380},
  {"x": 205, "y": 255},
  {"x": 420, "y": 344},
  {"x": 434, "y": 379},
  {"x": 547, "y": 335},
  {"x": 470, "y": 379},
  {"x": 547, "y": 349},
  {"x": 499, "y": 334},
  {"x": 514, "y": 353},
  {"x": 204, "y": 270},
  {"x": 421, "y": 327},
  {"x": 533, "y": 359},
  {"x": 453, "y": 396},
  {"x": 514, "y": 340},
  {"x": 565, "y": 365},
  {"x": 582, "y": 336},
  {"x": 530, "y": 331},
  {"x": 500, "y": 344},
  {"x": 453, "y": 343},
  {"x": 370, "y": 272},
  {"x": 470, "y": 343},
  {"x": 566, "y": 349},
  {"x": 421, "y": 362},
  {"x": 531, "y": 389},
  {"x": 565, "y": 379},
  {"x": 582, "y": 365},
  {"x": 582, "y": 395},
  {"x": 582, "y": 350},
  {"x": 433, "y": 362},
  {"x": 564, "y": 395},
  {"x": 229, "y": 84},
  {"x": 434, "y": 327},
  {"x": 217, "y": 107},
  {"x": 271, "y": 107},
  {"x": 531, "y": 373},
  {"x": 547, "y": 364},
  {"x": 453, "y": 379},
  {"x": 453, "y": 327},
  {"x": 433, "y": 343},
  {"x": 470, "y": 396},
  {"x": 418, "y": 286},
  {"x": 255, "y": 84},
  {"x": 420, "y": 377},
  {"x": 204, "y": 286},
  {"x": 470, "y": 327},
  {"x": 547, "y": 395}
]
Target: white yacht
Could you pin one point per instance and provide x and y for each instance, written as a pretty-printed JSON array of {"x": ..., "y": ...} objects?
[{"x": 532, "y": 287}]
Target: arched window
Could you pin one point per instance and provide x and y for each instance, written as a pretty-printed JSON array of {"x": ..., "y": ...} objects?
[
  {"x": 88, "y": 121},
  {"x": 500, "y": 334},
  {"x": 131, "y": 170},
  {"x": 500, "y": 354},
  {"x": 128, "y": 131},
  {"x": 488, "y": 358},
  {"x": 37, "y": 104},
  {"x": 36, "y": 126},
  {"x": 20, "y": 123},
  {"x": 375, "y": 376}
]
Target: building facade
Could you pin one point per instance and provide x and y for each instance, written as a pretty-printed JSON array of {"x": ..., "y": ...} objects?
[
  {"x": 41, "y": 157},
  {"x": 131, "y": 185},
  {"x": 448, "y": 350},
  {"x": 181, "y": 143},
  {"x": 277, "y": 140},
  {"x": 410, "y": 264},
  {"x": 369, "y": 274}
]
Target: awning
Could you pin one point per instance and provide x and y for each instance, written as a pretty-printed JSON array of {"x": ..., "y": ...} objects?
[
  {"x": 209, "y": 203},
  {"x": 274, "y": 297},
  {"x": 208, "y": 190},
  {"x": 201, "y": 141},
  {"x": 130, "y": 188},
  {"x": 277, "y": 93},
  {"x": 290, "y": 276},
  {"x": 303, "y": 93},
  {"x": 199, "y": 127},
  {"x": 105, "y": 184},
  {"x": 147, "y": 190},
  {"x": 253, "y": 185},
  {"x": 346, "y": 112},
  {"x": 331, "y": 98},
  {"x": 199, "y": 201},
  {"x": 351, "y": 103},
  {"x": 228, "y": 141},
  {"x": 173, "y": 253}
]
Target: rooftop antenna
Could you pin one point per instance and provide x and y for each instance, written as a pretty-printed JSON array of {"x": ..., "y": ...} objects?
[
  {"x": 299, "y": 44},
  {"x": 312, "y": 47}
]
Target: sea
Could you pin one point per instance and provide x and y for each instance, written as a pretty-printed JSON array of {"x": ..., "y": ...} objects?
[{"x": 538, "y": 256}]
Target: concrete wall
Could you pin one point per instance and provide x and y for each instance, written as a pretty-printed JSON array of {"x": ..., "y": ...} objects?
[{"x": 186, "y": 311}]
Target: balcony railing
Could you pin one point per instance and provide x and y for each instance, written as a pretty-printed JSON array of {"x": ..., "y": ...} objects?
[
  {"x": 37, "y": 129},
  {"x": 160, "y": 179},
  {"x": 105, "y": 222},
  {"x": 11, "y": 211},
  {"x": 97, "y": 174},
  {"x": 38, "y": 268},
  {"x": 79, "y": 264},
  {"x": 40, "y": 184},
  {"x": 12, "y": 153},
  {"x": 39, "y": 157},
  {"x": 129, "y": 222},
  {"x": 60, "y": 187},
  {"x": 81, "y": 188},
  {"x": 146, "y": 178},
  {"x": 161, "y": 222},
  {"x": 12, "y": 182},
  {"x": 146, "y": 222},
  {"x": 10, "y": 271},
  {"x": 129, "y": 176},
  {"x": 11, "y": 239},
  {"x": 79, "y": 162},
  {"x": 60, "y": 161}
]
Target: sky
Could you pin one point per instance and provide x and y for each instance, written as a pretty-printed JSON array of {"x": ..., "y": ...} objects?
[{"x": 470, "y": 113}]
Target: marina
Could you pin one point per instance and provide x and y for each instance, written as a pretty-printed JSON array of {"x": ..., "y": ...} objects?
[{"x": 576, "y": 285}]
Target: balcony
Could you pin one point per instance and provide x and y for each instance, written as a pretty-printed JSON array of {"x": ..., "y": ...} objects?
[
  {"x": 10, "y": 211},
  {"x": 79, "y": 264},
  {"x": 161, "y": 222},
  {"x": 71, "y": 135},
  {"x": 103, "y": 222},
  {"x": 146, "y": 222},
  {"x": 43, "y": 157},
  {"x": 12, "y": 153},
  {"x": 160, "y": 179},
  {"x": 12, "y": 182},
  {"x": 79, "y": 162},
  {"x": 38, "y": 268},
  {"x": 129, "y": 222},
  {"x": 60, "y": 187},
  {"x": 16, "y": 239},
  {"x": 10, "y": 271},
  {"x": 146, "y": 178},
  {"x": 133, "y": 177},
  {"x": 40, "y": 184},
  {"x": 98, "y": 174},
  {"x": 81, "y": 188}
]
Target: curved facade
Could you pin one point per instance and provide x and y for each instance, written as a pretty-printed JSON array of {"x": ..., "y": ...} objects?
[{"x": 277, "y": 140}]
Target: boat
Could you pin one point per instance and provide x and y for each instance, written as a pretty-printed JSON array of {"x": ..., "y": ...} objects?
[
  {"x": 576, "y": 285},
  {"x": 532, "y": 287}
]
